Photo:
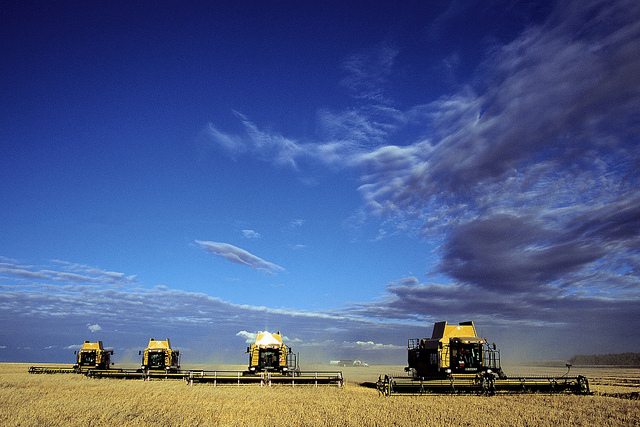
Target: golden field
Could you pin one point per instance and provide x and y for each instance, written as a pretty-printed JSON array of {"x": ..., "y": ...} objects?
[{"x": 68, "y": 399}]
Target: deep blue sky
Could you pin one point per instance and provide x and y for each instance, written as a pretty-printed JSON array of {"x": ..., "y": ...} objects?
[{"x": 345, "y": 173}]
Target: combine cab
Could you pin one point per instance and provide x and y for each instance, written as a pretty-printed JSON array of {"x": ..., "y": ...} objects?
[
  {"x": 92, "y": 355},
  {"x": 270, "y": 354},
  {"x": 456, "y": 360},
  {"x": 452, "y": 350},
  {"x": 159, "y": 356}
]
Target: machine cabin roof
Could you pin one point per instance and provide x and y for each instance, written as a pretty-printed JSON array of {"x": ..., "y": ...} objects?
[
  {"x": 87, "y": 345},
  {"x": 266, "y": 339},
  {"x": 465, "y": 332},
  {"x": 159, "y": 344}
]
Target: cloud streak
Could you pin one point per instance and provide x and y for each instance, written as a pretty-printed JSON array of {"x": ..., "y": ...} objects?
[
  {"x": 251, "y": 234},
  {"x": 239, "y": 256},
  {"x": 69, "y": 272},
  {"x": 368, "y": 72}
]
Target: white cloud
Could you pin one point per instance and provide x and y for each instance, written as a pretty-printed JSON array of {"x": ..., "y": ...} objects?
[
  {"x": 249, "y": 337},
  {"x": 368, "y": 71},
  {"x": 296, "y": 223},
  {"x": 94, "y": 328},
  {"x": 73, "y": 347},
  {"x": 70, "y": 272},
  {"x": 251, "y": 234},
  {"x": 239, "y": 256}
]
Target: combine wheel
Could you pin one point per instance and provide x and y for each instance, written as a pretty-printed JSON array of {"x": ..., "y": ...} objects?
[
  {"x": 380, "y": 386},
  {"x": 582, "y": 386}
]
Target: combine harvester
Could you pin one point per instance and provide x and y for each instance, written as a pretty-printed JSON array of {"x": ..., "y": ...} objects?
[
  {"x": 159, "y": 360},
  {"x": 456, "y": 360},
  {"x": 270, "y": 362},
  {"x": 92, "y": 355}
]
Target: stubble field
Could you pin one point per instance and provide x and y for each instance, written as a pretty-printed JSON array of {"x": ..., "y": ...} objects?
[{"x": 67, "y": 399}]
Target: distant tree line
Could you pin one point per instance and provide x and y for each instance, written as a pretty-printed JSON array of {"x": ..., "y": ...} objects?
[{"x": 622, "y": 359}]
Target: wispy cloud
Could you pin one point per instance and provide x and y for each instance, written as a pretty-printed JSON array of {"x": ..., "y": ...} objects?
[
  {"x": 73, "y": 347},
  {"x": 368, "y": 71},
  {"x": 69, "y": 272},
  {"x": 296, "y": 223},
  {"x": 251, "y": 234},
  {"x": 249, "y": 337},
  {"x": 238, "y": 256}
]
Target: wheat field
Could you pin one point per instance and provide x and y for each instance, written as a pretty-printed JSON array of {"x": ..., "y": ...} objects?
[{"x": 68, "y": 399}]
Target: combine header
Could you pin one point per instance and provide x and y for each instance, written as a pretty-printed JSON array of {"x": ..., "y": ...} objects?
[
  {"x": 456, "y": 360},
  {"x": 92, "y": 355}
]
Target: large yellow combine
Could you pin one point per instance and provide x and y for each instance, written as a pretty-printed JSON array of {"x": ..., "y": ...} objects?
[
  {"x": 271, "y": 361},
  {"x": 92, "y": 355},
  {"x": 452, "y": 350},
  {"x": 160, "y": 356},
  {"x": 456, "y": 360},
  {"x": 269, "y": 353}
]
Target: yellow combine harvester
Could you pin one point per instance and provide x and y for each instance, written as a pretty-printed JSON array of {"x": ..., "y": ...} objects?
[
  {"x": 456, "y": 360},
  {"x": 160, "y": 356},
  {"x": 92, "y": 355},
  {"x": 270, "y": 354},
  {"x": 270, "y": 362}
]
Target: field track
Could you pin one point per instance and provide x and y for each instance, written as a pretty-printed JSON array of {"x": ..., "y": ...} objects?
[{"x": 67, "y": 399}]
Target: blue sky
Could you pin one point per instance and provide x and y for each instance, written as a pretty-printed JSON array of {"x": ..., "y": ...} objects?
[{"x": 344, "y": 173}]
